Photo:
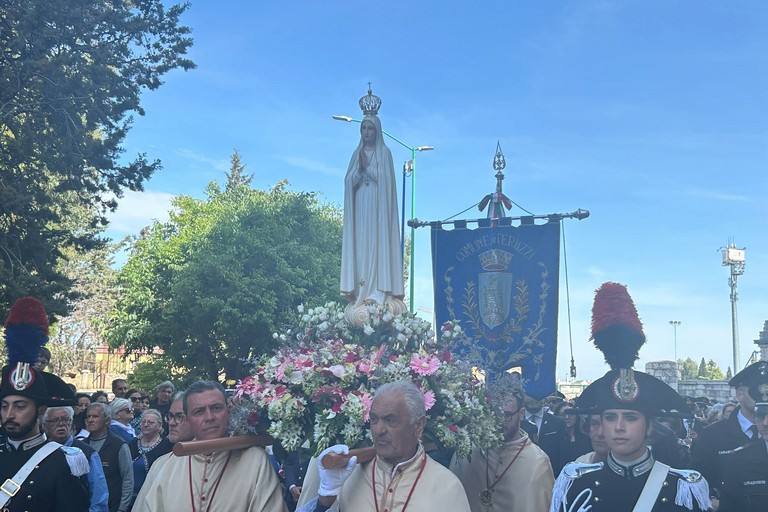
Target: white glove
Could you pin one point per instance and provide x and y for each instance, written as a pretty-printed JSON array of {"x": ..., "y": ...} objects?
[{"x": 332, "y": 480}]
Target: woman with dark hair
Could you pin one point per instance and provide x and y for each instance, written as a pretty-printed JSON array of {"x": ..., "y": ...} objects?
[
  {"x": 78, "y": 420},
  {"x": 577, "y": 443},
  {"x": 100, "y": 396},
  {"x": 627, "y": 400}
]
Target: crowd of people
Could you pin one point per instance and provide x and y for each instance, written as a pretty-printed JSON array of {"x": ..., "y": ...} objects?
[{"x": 629, "y": 442}]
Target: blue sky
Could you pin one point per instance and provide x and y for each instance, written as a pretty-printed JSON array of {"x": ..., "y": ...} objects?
[{"x": 653, "y": 115}]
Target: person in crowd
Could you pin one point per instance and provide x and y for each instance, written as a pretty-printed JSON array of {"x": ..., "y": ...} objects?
[
  {"x": 43, "y": 360},
  {"x": 549, "y": 430},
  {"x": 78, "y": 422},
  {"x": 599, "y": 447},
  {"x": 728, "y": 409},
  {"x": 134, "y": 395},
  {"x": 57, "y": 423},
  {"x": 745, "y": 482},
  {"x": 627, "y": 401},
  {"x": 100, "y": 396},
  {"x": 667, "y": 447},
  {"x": 162, "y": 402},
  {"x": 122, "y": 414},
  {"x": 119, "y": 388},
  {"x": 35, "y": 475},
  {"x": 401, "y": 476},
  {"x": 714, "y": 415},
  {"x": 576, "y": 443},
  {"x": 293, "y": 468},
  {"x": 178, "y": 431},
  {"x": 517, "y": 475},
  {"x": 148, "y": 447},
  {"x": 241, "y": 480},
  {"x": 714, "y": 444},
  {"x": 115, "y": 456}
]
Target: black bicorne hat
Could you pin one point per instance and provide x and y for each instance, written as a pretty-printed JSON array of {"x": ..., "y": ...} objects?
[
  {"x": 755, "y": 378},
  {"x": 26, "y": 331},
  {"x": 617, "y": 332}
]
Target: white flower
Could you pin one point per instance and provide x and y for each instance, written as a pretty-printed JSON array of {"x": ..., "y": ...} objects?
[
  {"x": 275, "y": 335},
  {"x": 306, "y": 318},
  {"x": 300, "y": 308},
  {"x": 368, "y": 330}
]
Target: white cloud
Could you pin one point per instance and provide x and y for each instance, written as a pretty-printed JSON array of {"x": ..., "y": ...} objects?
[
  {"x": 219, "y": 164},
  {"x": 716, "y": 195},
  {"x": 136, "y": 210},
  {"x": 311, "y": 165}
]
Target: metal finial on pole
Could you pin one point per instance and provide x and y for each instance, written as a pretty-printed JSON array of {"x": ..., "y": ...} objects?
[{"x": 497, "y": 200}]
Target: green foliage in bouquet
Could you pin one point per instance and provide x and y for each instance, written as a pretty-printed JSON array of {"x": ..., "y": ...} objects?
[{"x": 319, "y": 386}]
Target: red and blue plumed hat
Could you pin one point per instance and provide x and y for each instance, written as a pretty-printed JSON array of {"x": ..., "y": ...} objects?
[{"x": 26, "y": 332}]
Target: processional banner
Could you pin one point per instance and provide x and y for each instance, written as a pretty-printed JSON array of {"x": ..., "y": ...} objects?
[{"x": 501, "y": 284}]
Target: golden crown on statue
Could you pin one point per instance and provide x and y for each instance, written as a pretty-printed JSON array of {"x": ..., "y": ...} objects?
[
  {"x": 370, "y": 103},
  {"x": 495, "y": 259}
]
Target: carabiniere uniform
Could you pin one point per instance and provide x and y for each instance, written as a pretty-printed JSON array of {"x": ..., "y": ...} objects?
[
  {"x": 51, "y": 486},
  {"x": 745, "y": 487},
  {"x": 36, "y": 475},
  {"x": 643, "y": 484}
]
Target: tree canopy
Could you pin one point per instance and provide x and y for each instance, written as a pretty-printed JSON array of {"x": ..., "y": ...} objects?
[
  {"x": 211, "y": 286},
  {"x": 71, "y": 76},
  {"x": 705, "y": 370}
]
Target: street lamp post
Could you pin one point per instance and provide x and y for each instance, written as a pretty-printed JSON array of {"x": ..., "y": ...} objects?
[
  {"x": 674, "y": 324},
  {"x": 409, "y": 167}
]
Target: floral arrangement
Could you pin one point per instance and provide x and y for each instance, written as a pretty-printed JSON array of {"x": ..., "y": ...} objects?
[{"x": 318, "y": 387}]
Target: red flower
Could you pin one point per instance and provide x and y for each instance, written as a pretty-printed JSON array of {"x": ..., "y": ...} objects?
[{"x": 453, "y": 428}]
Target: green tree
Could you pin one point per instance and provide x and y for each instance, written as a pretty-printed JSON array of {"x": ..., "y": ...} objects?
[
  {"x": 713, "y": 371},
  {"x": 689, "y": 370},
  {"x": 75, "y": 336},
  {"x": 212, "y": 285},
  {"x": 702, "y": 370},
  {"x": 71, "y": 76}
]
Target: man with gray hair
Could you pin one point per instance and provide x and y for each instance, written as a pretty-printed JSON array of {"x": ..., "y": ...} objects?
[
  {"x": 115, "y": 456},
  {"x": 57, "y": 424},
  {"x": 401, "y": 475}
]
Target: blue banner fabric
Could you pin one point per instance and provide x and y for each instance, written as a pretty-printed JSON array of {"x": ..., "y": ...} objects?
[{"x": 501, "y": 284}]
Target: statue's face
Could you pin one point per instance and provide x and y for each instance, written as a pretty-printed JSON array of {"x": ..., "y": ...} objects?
[{"x": 368, "y": 133}]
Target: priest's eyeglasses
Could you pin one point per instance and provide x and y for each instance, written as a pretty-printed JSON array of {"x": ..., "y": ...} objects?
[{"x": 508, "y": 415}]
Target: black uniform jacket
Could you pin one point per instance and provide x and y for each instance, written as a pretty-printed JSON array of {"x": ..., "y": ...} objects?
[
  {"x": 51, "y": 485},
  {"x": 608, "y": 491},
  {"x": 713, "y": 447},
  {"x": 746, "y": 480}
]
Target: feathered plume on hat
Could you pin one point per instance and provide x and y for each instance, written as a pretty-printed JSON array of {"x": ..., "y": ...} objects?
[
  {"x": 616, "y": 328},
  {"x": 26, "y": 331}
]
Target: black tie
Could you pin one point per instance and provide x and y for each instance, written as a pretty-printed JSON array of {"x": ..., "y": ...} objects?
[{"x": 753, "y": 430}]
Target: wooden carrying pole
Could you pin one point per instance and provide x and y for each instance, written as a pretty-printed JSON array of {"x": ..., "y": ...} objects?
[
  {"x": 336, "y": 460},
  {"x": 223, "y": 444},
  {"x": 329, "y": 460}
]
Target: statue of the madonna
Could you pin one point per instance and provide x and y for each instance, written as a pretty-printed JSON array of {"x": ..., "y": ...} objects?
[{"x": 371, "y": 262}]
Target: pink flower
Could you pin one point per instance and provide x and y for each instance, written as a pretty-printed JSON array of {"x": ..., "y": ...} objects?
[
  {"x": 367, "y": 401},
  {"x": 424, "y": 365},
  {"x": 429, "y": 399},
  {"x": 247, "y": 386},
  {"x": 453, "y": 428},
  {"x": 447, "y": 327}
]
